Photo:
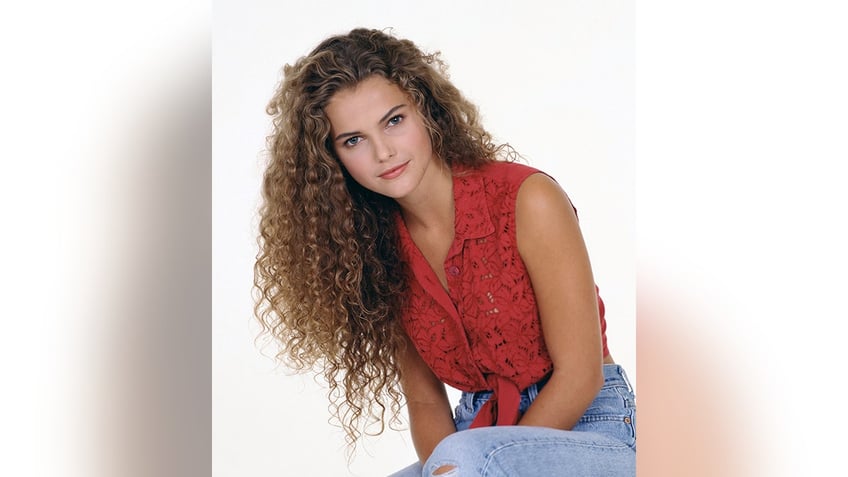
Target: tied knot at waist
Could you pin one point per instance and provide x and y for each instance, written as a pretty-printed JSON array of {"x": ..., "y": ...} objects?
[{"x": 502, "y": 408}]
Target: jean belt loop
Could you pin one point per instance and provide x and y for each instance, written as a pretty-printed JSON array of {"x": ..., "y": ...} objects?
[{"x": 624, "y": 377}]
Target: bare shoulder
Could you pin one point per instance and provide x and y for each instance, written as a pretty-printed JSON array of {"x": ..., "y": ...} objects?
[
  {"x": 543, "y": 211},
  {"x": 542, "y": 197}
]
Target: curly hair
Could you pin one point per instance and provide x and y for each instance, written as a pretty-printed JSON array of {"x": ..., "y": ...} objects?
[{"x": 330, "y": 281}]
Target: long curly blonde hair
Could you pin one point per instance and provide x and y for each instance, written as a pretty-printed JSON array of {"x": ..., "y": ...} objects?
[{"x": 329, "y": 279}]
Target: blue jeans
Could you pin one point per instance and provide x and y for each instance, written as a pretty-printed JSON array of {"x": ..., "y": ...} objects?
[{"x": 602, "y": 443}]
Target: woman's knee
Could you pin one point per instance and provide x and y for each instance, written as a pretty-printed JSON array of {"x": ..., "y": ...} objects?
[{"x": 454, "y": 455}]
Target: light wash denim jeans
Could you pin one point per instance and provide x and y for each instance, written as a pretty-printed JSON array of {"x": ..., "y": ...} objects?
[{"x": 602, "y": 443}]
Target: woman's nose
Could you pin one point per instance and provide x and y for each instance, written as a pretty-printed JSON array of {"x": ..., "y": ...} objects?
[{"x": 384, "y": 150}]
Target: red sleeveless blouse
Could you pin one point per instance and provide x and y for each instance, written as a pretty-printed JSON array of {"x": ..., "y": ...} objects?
[{"x": 484, "y": 333}]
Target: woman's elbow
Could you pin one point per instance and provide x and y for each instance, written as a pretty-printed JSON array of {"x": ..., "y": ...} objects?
[{"x": 587, "y": 381}]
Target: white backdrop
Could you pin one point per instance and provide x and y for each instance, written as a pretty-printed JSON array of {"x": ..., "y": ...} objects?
[
  {"x": 740, "y": 234},
  {"x": 555, "y": 80}
]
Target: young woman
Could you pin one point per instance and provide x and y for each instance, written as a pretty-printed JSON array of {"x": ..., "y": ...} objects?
[{"x": 401, "y": 249}]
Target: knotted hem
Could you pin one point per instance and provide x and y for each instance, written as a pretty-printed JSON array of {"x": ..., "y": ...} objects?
[{"x": 502, "y": 408}]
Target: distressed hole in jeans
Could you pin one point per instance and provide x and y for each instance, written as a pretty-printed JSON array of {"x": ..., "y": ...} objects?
[{"x": 445, "y": 470}]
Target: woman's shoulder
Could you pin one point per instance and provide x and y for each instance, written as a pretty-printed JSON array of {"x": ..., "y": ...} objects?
[{"x": 507, "y": 172}]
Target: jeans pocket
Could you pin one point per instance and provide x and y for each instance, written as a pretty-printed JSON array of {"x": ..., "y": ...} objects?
[
  {"x": 611, "y": 414},
  {"x": 627, "y": 395}
]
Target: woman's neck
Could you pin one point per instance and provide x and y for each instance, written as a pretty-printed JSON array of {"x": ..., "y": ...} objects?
[{"x": 432, "y": 207}]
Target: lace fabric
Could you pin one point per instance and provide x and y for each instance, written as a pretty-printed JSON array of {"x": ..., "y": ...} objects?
[{"x": 484, "y": 332}]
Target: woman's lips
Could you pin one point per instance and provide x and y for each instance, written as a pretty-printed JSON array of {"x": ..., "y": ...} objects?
[{"x": 394, "y": 171}]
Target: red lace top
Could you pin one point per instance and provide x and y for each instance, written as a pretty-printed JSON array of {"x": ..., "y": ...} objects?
[{"x": 484, "y": 333}]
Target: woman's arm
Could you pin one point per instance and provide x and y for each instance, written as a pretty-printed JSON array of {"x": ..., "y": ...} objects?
[
  {"x": 552, "y": 248},
  {"x": 430, "y": 418}
]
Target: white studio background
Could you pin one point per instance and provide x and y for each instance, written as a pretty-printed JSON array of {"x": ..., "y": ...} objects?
[
  {"x": 555, "y": 80},
  {"x": 740, "y": 153}
]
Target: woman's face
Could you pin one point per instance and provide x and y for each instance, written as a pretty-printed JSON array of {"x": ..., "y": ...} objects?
[{"x": 380, "y": 137}]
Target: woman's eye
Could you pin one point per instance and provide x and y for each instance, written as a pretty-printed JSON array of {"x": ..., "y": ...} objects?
[
  {"x": 395, "y": 120},
  {"x": 352, "y": 141}
]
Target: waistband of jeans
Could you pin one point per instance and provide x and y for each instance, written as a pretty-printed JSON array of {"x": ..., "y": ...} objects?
[{"x": 613, "y": 375}]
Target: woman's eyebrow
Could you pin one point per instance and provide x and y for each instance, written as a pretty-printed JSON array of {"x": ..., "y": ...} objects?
[
  {"x": 391, "y": 111},
  {"x": 385, "y": 116}
]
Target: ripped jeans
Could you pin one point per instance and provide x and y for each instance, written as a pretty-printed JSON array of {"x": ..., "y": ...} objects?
[{"x": 602, "y": 443}]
